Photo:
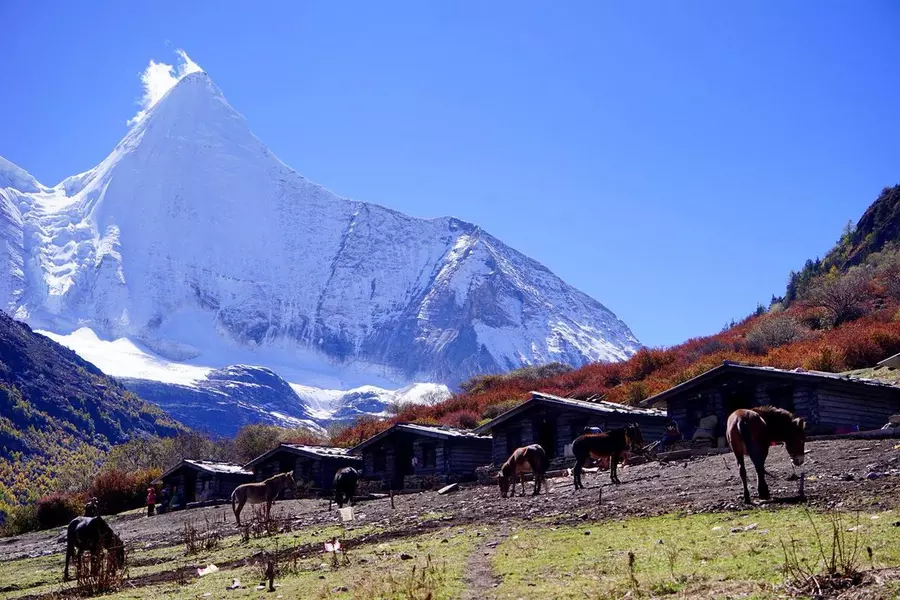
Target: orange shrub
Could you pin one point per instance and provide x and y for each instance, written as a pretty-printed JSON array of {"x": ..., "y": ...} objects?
[
  {"x": 58, "y": 509},
  {"x": 118, "y": 491},
  {"x": 860, "y": 343},
  {"x": 461, "y": 419}
]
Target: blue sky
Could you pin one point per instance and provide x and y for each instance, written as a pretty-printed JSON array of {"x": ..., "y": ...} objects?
[{"x": 674, "y": 160}]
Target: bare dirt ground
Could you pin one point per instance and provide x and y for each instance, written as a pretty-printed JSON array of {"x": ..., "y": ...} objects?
[{"x": 836, "y": 476}]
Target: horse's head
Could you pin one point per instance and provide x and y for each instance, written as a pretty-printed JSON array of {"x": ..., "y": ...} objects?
[
  {"x": 635, "y": 438},
  {"x": 289, "y": 478},
  {"x": 504, "y": 484},
  {"x": 795, "y": 443},
  {"x": 118, "y": 550},
  {"x": 503, "y": 479}
]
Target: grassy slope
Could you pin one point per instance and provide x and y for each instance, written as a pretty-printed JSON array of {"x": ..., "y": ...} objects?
[
  {"x": 695, "y": 555},
  {"x": 375, "y": 570},
  {"x": 689, "y": 555}
]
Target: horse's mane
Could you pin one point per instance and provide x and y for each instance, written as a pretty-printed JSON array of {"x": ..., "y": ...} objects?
[{"x": 778, "y": 420}]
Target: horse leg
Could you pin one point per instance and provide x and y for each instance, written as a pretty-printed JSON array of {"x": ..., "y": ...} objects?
[
  {"x": 576, "y": 472},
  {"x": 522, "y": 481},
  {"x": 759, "y": 461},
  {"x": 743, "y": 471},
  {"x": 538, "y": 480},
  {"x": 613, "y": 468},
  {"x": 237, "y": 511},
  {"x": 70, "y": 547}
]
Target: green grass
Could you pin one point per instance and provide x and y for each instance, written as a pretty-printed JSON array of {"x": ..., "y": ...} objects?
[
  {"x": 675, "y": 556},
  {"x": 696, "y": 555},
  {"x": 44, "y": 574},
  {"x": 374, "y": 570}
]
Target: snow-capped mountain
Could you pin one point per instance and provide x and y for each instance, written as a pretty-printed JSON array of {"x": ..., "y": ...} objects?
[{"x": 194, "y": 241}]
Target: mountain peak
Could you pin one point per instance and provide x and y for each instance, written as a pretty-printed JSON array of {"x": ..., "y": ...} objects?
[
  {"x": 194, "y": 95},
  {"x": 191, "y": 236}
]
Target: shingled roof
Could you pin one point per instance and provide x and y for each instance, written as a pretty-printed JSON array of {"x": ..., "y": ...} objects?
[
  {"x": 208, "y": 466},
  {"x": 600, "y": 406},
  {"x": 426, "y": 430},
  {"x": 305, "y": 450},
  {"x": 735, "y": 367}
]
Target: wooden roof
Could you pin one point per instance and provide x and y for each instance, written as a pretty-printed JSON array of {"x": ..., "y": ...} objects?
[
  {"x": 600, "y": 406},
  {"x": 752, "y": 370},
  {"x": 425, "y": 430},
  {"x": 315, "y": 452},
  {"x": 208, "y": 466}
]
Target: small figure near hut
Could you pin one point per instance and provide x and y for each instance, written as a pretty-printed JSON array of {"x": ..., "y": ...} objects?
[
  {"x": 613, "y": 444},
  {"x": 151, "y": 501},
  {"x": 345, "y": 481},
  {"x": 256, "y": 493},
  {"x": 94, "y": 535},
  {"x": 751, "y": 432},
  {"x": 672, "y": 435},
  {"x": 165, "y": 497},
  {"x": 528, "y": 458}
]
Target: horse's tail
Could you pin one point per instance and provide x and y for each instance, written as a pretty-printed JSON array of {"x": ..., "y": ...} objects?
[
  {"x": 234, "y": 501},
  {"x": 746, "y": 437}
]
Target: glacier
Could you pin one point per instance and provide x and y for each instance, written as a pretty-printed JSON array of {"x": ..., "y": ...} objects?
[{"x": 200, "y": 249}]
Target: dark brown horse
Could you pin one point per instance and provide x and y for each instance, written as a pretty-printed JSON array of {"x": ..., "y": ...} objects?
[
  {"x": 94, "y": 535},
  {"x": 613, "y": 444},
  {"x": 345, "y": 481},
  {"x": 751, "y": 432},
  {"x": 528, "y": 458}
]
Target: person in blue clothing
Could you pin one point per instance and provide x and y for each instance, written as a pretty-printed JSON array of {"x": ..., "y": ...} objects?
[{"x": 672, "y": 434}]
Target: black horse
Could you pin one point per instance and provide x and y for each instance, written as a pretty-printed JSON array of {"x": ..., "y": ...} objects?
[
  {"x": 95, "y": 535},
  {"x": 614, "y": 444},
  {"x": 345, "y": 481}
]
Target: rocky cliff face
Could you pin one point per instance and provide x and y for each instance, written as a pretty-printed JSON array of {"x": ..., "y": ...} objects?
[{"x": 192, "y": 238}]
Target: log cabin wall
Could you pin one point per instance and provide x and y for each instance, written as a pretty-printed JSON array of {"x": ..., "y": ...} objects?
[
  {"x": 828, "y": 405},
  {"x": 554, "y": 427}
]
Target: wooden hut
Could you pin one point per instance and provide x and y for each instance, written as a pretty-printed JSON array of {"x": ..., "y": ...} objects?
[
  {"x": 554, "y": 422},
  {"x": 830, "y": 402},
  {"x": 313, "y": 466},
  {"x": 203, "y": 480},
  {"x": 420, "y": 456}
]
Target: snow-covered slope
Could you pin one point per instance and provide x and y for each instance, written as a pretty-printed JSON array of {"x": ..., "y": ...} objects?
[{"x": 194, "y": 241}]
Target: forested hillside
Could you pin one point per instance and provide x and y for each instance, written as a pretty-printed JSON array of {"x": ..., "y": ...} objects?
[{"x": 58, "y": 413}]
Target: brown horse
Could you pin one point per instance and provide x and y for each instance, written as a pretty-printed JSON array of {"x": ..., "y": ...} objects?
[
  {"x": 751, "y": 432},
  {"x": 94, "y": 535},
  {"x": 256, "y": 493},
  {"x": 528, "y": 458},
  {"x": 613, "y": 444}
]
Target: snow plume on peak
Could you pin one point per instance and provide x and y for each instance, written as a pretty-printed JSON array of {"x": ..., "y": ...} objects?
[{"x": 159, "y": 78}]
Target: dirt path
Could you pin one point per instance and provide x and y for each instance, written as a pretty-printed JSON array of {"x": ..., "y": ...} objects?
[{"x": 479, "y": 576}]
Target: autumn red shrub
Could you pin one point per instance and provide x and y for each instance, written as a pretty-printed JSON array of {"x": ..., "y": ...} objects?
[
  {"x": 860, "y": 343},
  {"x": 461, "y": 419},
  {"x": 363, "y": 429},
  {"x": 58, "y": 509},
  {"x": 118, "y": 491},
  {"x": 823, "y": 359}
]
